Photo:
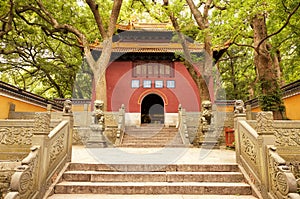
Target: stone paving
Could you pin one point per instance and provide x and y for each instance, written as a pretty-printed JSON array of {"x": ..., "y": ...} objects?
[{"x": 152, "y": 155}]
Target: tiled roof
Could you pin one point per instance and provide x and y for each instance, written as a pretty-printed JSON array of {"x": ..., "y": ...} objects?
[
  {"x": 151, "y": 47},
  {"x": 30, "y": 97},
  {"x": 145, "y": 26}
]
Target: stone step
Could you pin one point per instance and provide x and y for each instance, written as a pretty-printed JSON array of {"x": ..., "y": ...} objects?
[
  {"x": 151, "y": 136},
  {"x": 129, "y": 136},
  {"x": 153, "y": 140},
  {"x": 151, "y": 132},
  {"x": 143, "y": 196},
  {"x": 152, "y": 188},
  {"x": 154, "y": 144},
  {"x": 97, "y": 176},
  {"x": 146, "y": 129},
  {"x": 151, "y": 145},
  {"x": 154, "y": 167}
]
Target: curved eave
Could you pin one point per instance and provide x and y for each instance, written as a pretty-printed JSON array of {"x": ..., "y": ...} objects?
[{"x": 150, "y": 47}]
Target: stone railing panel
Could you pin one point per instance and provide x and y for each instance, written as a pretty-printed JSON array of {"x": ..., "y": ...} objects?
[
  {"x": 249, "y": 145},
  {"x": 50, "y": 152},
  {"x": 121, "y": 125},
  {"x": 287, "y": 137},
  {"x": 182, "y": 126},
  {"x": 249, "y": 154},
  {"x": 193, "y": 124},
  {"x": 282, "y": 182},
  {"x": 15, "y": 139},
  {"x": 259, "y": 152},
  {"x": 58, "y": 142},
  {"x": 287, "y": 142}
]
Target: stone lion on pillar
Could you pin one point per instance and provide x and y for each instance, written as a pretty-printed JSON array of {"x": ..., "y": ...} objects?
[
  {"x": 206, "y": 115},
  {"x": 98, "y": 112},
  {"x": 67, "y": 106},
  {"x": 239, "y": 107}
]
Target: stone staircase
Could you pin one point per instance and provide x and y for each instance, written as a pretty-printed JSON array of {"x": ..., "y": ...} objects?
[
  {"x": 152, "y": 179},
  {"x": 151, "y": 135}
]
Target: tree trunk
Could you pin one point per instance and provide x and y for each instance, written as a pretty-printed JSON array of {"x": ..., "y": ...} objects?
[
  {"x": 99, "y": 68},
  {"x": 208, "y": 64},
  {"x": 201, "y": 80},
  {"x": 270, "y": 97},
  {"x": 204, "y": 82}
]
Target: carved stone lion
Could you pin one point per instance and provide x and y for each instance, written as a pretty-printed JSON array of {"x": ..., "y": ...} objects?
[
  {"x": 98, "y": 112},
  {"x": 206, "y": 112},
  {"x": 67, "y": 106},
  {"x": 239, "y": 107}
]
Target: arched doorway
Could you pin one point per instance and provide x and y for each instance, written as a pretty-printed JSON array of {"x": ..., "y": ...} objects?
[{"x": 152, "y": 109}]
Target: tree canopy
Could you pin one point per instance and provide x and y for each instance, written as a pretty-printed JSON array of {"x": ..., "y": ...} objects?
[{"x": 43, "y": 42}]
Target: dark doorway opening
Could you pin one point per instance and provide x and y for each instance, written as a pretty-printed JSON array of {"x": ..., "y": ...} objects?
[{"x": 152, "y": 109}]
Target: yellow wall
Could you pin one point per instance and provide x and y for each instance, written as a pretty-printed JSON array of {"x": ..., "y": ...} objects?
[
  {"x": 292, "y": 105},
  {"x": 257, "y": 109},
  {"x": 79, "y": 108},
  {"x": 21, "y": 106},
  {"x": 228, "y": 108}
]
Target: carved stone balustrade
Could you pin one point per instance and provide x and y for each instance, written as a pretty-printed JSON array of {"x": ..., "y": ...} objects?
[
  {"x": 51, "y": 150},
  {"x": 261, "y": 150}
]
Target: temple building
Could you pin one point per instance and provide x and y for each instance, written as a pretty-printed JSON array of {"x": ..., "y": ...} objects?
[{"x": 147, "y": 75}]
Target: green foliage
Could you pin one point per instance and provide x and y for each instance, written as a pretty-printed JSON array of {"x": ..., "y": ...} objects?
[
  {"x": 234, "y": 24},
  {"x": 237, "y": 73},
  {"x": 37, "y": 62},
  {"x": 271, "y": 102},
  {"x": 38, "y": 59},
  {"x": 83, "y": 82}
]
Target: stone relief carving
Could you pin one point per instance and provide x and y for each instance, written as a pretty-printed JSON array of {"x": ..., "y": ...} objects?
[
  {"x": 282, "y": 180},
  {"x": 23, "y": 179},
  {"x": 16, "y": 136},
  {"x": 295, "y": 168},
  {"x": 77, "y": 140},
  {"x": 110, "y": 119},
  {"x": 42, "y": 123},
  {"x": 287, "y": 137},
  {"x": 248, "y": 147},
  {"x": 239, "y": 107},
  {"x": 56, "y": 148},
  {"x": 265, "y": 123}
]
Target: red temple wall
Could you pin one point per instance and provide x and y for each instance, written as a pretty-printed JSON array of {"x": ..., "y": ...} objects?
[{"x": 119, "y": 91}]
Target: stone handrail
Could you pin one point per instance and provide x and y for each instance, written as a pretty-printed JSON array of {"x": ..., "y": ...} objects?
[
  {"x": 267, "y": 172},
  {"x": 282, "y": 182},
  {"x": 182, "y": 125},
  {"x": 51, "y": 150},
  {"x": 121, "y": 125}
]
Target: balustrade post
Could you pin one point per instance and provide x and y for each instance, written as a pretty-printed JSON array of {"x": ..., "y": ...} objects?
[
  {"x": 248, "y": 112},
  {"x": 40, "y": 138},
  {"x": 265, "y": 130},
  {"x": 121, "y": 125},
  {"x": 239, "y": 115},
  {"x": 237, "y": 137},
  {"x": 70, "y": 119},
  {"x": 68, "y": 116}
]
